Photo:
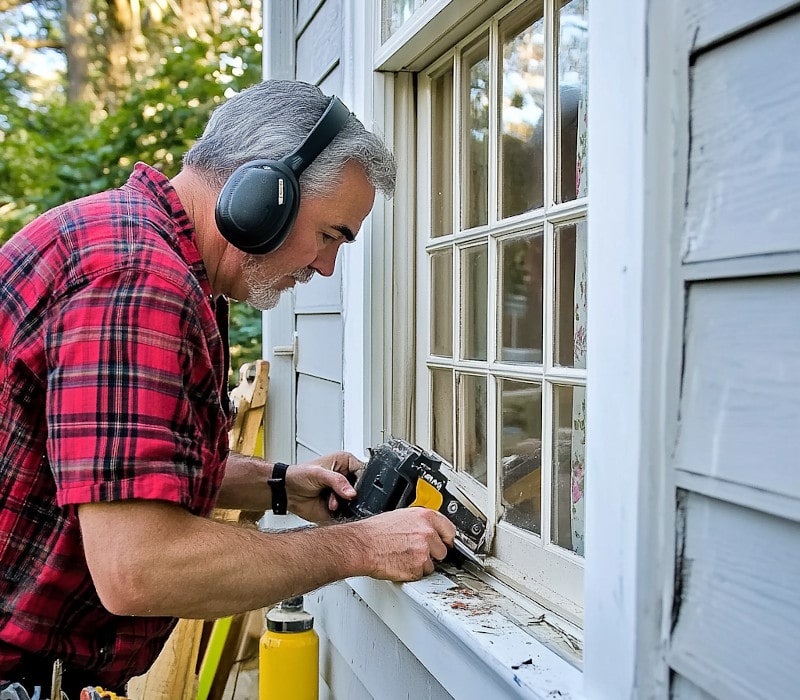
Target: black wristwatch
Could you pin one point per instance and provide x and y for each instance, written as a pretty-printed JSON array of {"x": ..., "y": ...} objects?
[{"x": 278, "y": 485}]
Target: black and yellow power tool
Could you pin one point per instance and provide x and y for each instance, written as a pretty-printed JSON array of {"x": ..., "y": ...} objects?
[{"x": 400, "y": 475}]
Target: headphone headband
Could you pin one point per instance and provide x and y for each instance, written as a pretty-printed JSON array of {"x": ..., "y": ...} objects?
[{"x": 325, "y": 130}]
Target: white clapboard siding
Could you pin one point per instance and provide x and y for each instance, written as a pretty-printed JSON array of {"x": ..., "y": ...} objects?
[
  {"x": 371, "y": 664},
  {"x": 319, "y": 414},
  {"x": 745, "y": 147},
  {"x": 712, "y": 20},
  {"x": 737, "y": 630},
  {"x": 306, "y": 10},
  {"x": 321, "y": 294},
  {"x": 319, "y": 346},
  {"x": 686, "y": 690},
  {"x": 740, "y": 404},
  {"x": 319, "y": 45}
]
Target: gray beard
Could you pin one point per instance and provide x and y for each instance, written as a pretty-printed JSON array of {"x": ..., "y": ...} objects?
[{"x": 261, "y": 281}]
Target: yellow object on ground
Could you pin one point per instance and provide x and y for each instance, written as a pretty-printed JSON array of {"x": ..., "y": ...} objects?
[{"x": 288, "y": 660}]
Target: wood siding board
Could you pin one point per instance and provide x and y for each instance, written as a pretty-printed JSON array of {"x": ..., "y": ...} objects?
[
  {"x": 319, "y": 414},
  {"x": 306, "y": 9},
  {"x": 710, "y": 21},
  {"x": 321, "y": 294},
  {"x": 382, "y": 665},
  {"x": 740, "y": 414},
  {"x": 319, "y": 347},
  {"x": 319, "y": 46},
  {"x": 683, "y": 689},
  {"x": 736, "y": 633},
  {"x": 750, "y": 266},
  {"x": 745, "y": 152}
]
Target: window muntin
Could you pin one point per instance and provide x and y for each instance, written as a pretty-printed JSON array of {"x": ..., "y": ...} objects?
[{"x": 514, "y": 375}]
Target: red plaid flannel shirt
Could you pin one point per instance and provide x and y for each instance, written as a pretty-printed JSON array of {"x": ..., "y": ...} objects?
[{"x": 111, "y": 387}]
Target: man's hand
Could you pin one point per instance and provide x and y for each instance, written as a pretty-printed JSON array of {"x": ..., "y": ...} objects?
[
  {"x": 405, "y": 544},
  {"x": 314, "y": 489}
]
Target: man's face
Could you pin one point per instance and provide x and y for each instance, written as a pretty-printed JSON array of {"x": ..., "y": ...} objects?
[{"x": 323, "y": 224}]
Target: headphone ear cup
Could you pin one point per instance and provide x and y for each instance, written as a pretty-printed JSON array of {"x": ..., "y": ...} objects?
[{"x": 258, "y": 205}]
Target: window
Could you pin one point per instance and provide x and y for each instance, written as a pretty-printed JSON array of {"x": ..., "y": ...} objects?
[{"x": 502, "y": 272}]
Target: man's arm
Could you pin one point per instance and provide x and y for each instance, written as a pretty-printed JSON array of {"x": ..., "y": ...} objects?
[
  {"x": 154, "y": 558},
  {"x": 311, "y": 487}
]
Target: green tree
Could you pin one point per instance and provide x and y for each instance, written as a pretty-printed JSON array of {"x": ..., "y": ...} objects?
[{"x": 56, "y": 146}]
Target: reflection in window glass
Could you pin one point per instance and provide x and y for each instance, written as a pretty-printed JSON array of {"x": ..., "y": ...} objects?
[
  {"x": 442, "y": 303},
  {"x": 471, "y": 426},
  {"x": 475, "y": 152},
  {"x": 570, "y": 297},
  {"x": 569, "y": 450},
  {"x": 573, "y": 60},
  {"x": 442, "y": 155},
  {"x": 522, "y": 114},
  {"x": 442, "y": 404},
  {"x": 521, "y": 306},
  {"x": 521, "y": 446},
  {"x": 474, "y": 301},
  {"x": 395, "y": 13}
]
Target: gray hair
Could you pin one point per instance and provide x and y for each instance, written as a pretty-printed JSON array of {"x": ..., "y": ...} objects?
[{"x": 269, "y": 120}]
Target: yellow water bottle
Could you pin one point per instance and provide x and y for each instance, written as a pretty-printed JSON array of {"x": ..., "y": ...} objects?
[{"x": 288, "y": 659}]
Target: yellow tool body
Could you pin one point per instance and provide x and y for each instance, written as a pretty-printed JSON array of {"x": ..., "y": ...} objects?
[
  {"x": 288, "y": 660},
  {"x": 427, "y": 496}
]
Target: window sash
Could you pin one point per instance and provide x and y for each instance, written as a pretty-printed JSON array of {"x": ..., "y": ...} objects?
[{"x": 548, "y": 573}]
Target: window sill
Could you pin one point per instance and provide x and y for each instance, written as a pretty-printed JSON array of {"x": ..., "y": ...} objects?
[{"x": 475, "y": 641}]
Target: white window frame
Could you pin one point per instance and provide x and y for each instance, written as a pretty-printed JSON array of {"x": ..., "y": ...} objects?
[
  {"x": 638, "y": 93},
  {"x": 545, "y": 572}
]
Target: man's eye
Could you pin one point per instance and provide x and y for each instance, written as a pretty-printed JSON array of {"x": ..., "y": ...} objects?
[{"x": 328, "y": 236}]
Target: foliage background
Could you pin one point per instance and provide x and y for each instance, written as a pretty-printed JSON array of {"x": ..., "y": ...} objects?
[{"x": 88, "y": 88}]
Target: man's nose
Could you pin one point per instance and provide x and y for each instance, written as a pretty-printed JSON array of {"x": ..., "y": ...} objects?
[{"x": 325, "y": 262}]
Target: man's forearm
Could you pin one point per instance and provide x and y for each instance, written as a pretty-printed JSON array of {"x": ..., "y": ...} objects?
[{"x": 245, "y": 483}]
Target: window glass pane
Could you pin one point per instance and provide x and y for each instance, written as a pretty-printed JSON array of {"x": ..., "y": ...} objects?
[
  {"x": 474, "y": 301},
  {"x": 569, "y": 449},
  {"x": 395, "y": 13},
  {"x": 570, "y": 298},
  {"x": 522, "y": 114},
  {"x": 521, "y": 446},
  {"x": 471, "y": 426},
  {"x": 442, "y": 303},
  {"x": 573, "y": 55},
  {"x": 521, "y": 307},
  {"x": 442, "y": 404},
  {"x": 475, "y": 153},
  {"x": 442, "y": 155}
]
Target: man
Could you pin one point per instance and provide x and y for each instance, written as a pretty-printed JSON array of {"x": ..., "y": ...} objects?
[{"x": 113, "y": 422}]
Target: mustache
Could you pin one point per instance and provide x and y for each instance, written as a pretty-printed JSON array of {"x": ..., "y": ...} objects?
[{"x": 303, "y": 275}]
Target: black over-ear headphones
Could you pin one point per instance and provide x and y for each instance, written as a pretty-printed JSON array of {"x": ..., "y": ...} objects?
[{"x": 258, "y": 204}]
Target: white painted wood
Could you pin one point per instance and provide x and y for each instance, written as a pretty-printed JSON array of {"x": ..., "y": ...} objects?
[
  {"x": 321, "y": 294},
  {"x": 304, "y": 454},
  {"x": 467, "y": 644},
  {"x": 319, "y": 346},
  {"x": 745, "y": 159},
  {"x": 319, "y": 47},
  {"x": 684, "y": 689},
  {"x": 279, "y": 426},
  {"x": 433, "y": 28},
  {"x": 278, "y": 55},
  {"x": 319, "y": 414},
  {"x": 740, "y": 413},
  {"x": 636, "y": 98},
  {"x": 374, "y": 665},
  {"x": 712, "y": 20},
  {"x": 736, "y": 633},
  {"x": 306, "y": 10}
]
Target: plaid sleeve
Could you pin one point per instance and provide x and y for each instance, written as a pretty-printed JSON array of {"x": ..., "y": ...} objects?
[{"x": 131, "y": 392}]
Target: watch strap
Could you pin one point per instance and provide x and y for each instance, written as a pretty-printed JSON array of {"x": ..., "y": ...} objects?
[{"x": 277, "y": 483}]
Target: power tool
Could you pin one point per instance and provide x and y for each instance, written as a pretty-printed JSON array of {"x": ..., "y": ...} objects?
[{"x": 400, "y": 475}]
